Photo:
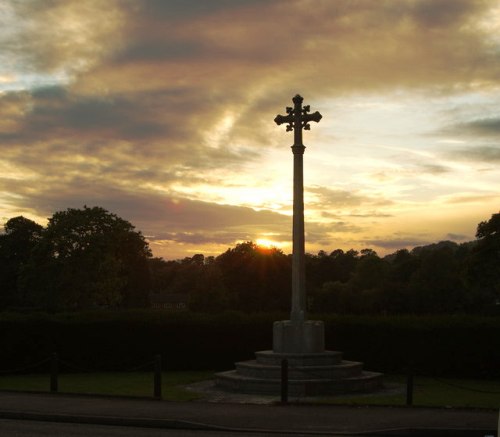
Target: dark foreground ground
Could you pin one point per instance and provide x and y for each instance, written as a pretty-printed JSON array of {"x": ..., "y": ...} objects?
[{"x": 220, "y": 418}]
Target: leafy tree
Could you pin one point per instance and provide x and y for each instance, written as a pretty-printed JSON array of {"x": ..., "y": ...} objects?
[
  {"x": 483, "y": 271},
  {"x": 490, "y": 230},
  {"x": 402, "y": 264},
  {"x": 335, "y": 297},
  {"x": 209, "y": 294},
  {"x": 344, "y": 264},
  {"x": 88, "y": 258},
  {"x": 436, "y": 286},
  {"x": 338, "y": 266},
  {"x": 256, "y": 278},
  {"x": 16, "y": 244},
  {"x": 370, "y": 271}
]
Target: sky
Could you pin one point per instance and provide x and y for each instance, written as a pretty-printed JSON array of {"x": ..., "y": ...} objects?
[{"x": 161, "y": 111}]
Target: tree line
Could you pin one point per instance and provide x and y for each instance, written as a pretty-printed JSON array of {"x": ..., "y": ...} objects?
[{"x": 90, "y": 258}]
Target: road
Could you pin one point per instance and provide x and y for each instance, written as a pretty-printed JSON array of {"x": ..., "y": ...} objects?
[{"x": 19, "y": 428}]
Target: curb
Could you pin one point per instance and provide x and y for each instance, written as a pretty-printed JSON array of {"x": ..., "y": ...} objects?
[
  {"x": 188, "y": 425},
  {"x": 109, "y": 420}
]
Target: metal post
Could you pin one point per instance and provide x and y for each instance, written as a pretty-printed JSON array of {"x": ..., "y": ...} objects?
[
  {"x": 54, "y": 373},
  {"x": 409, "y": 387},
  {"x": 157, "y": 378},
  {"x": 284, "y": 381}
]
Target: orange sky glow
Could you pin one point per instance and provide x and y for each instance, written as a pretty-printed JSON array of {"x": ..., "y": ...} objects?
[{"x": 161, "y": 111}]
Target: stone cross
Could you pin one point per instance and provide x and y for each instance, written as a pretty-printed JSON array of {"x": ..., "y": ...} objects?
[{"x": 298, "y": 118}]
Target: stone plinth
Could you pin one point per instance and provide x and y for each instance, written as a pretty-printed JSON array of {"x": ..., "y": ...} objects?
[
  {"x": 298, "y": 337},
  {"x": 310, "y": 374},
  {"x": 312, "y": 369}
]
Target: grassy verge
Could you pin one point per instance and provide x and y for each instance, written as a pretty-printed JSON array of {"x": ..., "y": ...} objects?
[
  {"x": 430, "y": 392},
  {"x": 115, "y": 384}
]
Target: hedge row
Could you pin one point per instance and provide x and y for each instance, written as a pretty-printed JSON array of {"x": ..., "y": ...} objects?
[{"x": 434, "y": 345}]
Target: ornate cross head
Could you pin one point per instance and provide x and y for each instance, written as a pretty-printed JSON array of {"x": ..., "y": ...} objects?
[{"x": 298, "y": 116}]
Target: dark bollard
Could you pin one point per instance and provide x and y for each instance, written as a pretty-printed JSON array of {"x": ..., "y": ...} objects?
[
  {"x": 54, "y": 373},
  {"x": 409, "y": 387},
  {"x": 284, "y": 381},
  {"x": 157, "y": 378}
]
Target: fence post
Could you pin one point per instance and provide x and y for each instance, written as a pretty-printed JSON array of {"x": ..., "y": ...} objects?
[
  {"x": 409, "y": 387},
  {"x": 54, "y": 373},
  {"x": 284, "y": 381},
  {"x": 157, "y": 377}
]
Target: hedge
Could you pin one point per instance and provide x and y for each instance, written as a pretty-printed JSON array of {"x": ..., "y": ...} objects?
[{"x": 432, "y": 345}]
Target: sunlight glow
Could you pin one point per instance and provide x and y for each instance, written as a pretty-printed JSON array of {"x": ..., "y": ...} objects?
[
  {"x": 268, "y": 244},
  {"x": 217, "y": 135}
]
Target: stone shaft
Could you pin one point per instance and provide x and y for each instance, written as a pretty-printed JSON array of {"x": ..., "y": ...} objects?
[
  {"x": 298, "y": 118},
  {"x": 298, "y": 335},
  {"x": 298, "y": 313}
]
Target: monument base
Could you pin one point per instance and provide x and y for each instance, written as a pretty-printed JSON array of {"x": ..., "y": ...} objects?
[
  {"x": 306, "y": 337},
  {"x": 309, "y": 375},
  {"x": 312, "y": 370}
]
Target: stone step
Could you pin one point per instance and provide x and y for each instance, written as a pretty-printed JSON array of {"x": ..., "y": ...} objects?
[
  {"x": 233, "y": 381},
  {"x": 326, "y": 358},
  {"x": 344, "y": 369}
]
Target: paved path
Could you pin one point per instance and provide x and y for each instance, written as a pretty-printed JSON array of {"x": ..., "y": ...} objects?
[{"x": 322, "y": 419}]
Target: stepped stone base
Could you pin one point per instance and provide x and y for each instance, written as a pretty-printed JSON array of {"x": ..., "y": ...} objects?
[
  {"x": 311, "y": 369},
  {"x": 323, "y": 373}
]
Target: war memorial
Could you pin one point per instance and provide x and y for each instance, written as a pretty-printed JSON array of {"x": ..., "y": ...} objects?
[{"x": 301, "y": 342}]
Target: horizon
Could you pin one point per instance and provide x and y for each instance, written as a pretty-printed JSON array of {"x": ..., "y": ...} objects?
[{"x": 162, "y": 113}]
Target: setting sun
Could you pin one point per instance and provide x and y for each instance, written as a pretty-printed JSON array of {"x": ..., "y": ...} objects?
[{"x": 267, "y": 244}]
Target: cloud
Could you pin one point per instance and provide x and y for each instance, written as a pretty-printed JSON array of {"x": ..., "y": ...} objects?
[
  {"x": 52, "y": 112},
  {"x": 485, "y": 127},
  {"x": 394, "y": 244},
  {"x": 63, "y": 35},
  {"x": 219, "y": 57},
  {"x": 407, "y": 166},
  {"x": 471, "y": 198},
  {"x": 457, "y": 237},
  {"x": 438, "y": 13},
  {"x": 370, "y": 214},
  {"x": 331, "y": 198},
  {"x": 489, "y": 154},
  {"x": 134, "y": 105},
  {"x": 119, "y": 141},
  {"x": 434, "y": 169},
  {"x": 229, "y": 43},
  {"x": 160, "y": 217}
]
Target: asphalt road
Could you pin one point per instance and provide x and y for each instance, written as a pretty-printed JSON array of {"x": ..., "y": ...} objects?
[
  {"x": 18, "y": 428},
  {"x": 31, "y": 414}
]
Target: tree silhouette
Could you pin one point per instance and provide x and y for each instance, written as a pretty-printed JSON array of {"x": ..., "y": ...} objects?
[
  {"x": 21, "y": 236},
  {"x": 88, "y": 258},
  {"x": 256, "y": 278},
  {"x": 91, "y": 258},
  {"x": 483, "y": 269}
]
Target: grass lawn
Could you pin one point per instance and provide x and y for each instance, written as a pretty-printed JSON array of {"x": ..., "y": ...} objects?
[
  {"x": 116, "y": 383},
  {"x": 431, "y": 392},
  {"x": 435, "y": 392}
]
